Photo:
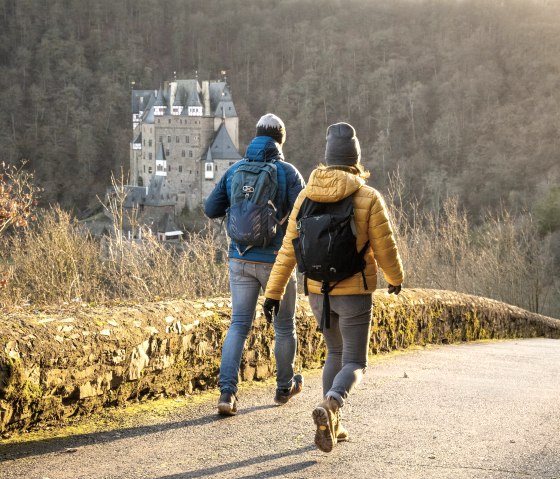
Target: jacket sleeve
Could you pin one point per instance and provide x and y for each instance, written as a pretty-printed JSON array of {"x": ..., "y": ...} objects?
[
  {"x": 383, "y": 242},
  {"x": 295, "y": 183},
  {"x": 217, "y": 203},
  {"x": 286, "y": 259}
]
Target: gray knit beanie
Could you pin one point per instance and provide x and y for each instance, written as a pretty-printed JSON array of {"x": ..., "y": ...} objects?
[
  {"x": 271, "y": 125},
  {"x": 343, "y": 147}
]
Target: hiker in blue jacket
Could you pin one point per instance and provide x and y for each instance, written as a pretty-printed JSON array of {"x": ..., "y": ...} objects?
[{"x": 249, "y": 269}]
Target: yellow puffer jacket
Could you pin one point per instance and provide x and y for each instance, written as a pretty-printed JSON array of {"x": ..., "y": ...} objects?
[{"x": 329, "y": 185}]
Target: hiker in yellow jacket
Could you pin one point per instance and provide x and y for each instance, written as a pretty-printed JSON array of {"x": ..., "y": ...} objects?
[{"x": 347, "y": 338}]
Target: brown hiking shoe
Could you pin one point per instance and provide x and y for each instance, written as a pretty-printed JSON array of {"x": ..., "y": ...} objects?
[
  {"x": 326, "y": 420},
  {"x": 282, "y": 396},
  {"x": 340, "y": 431},
  {"x": 227, "y": 404}
]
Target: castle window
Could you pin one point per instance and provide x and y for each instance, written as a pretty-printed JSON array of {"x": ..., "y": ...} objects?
[
  {"x": 158, "y": 120},
  {"x": 190, "y": 172},
  {"x": 161, "y": 139},
  {"x": 149, "y": 156},
  {"x": 166, "y": 152},
  {"x": 183, "y": 153},
  {"x": 144, "y": 168},
  {"x": 168, "y": 167},
  {"x": 149, "y": 142},
  {"x": 169, "y": 121},
  {"x": 190, "y": 154},
  {"x": 176, "y": 139},
  {"x": 181, "y": 169},
  {"x": 168, "y": 138},
  {"x": 216, "y": 167},
  {"x": 144, "y": 142},
  {"x": 149, "y": 169},
  {"x": 187, "y": 139}
]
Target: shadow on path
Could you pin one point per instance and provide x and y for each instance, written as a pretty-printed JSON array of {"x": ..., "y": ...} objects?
[
  {"x": 18, "y": 450},
  {"x": 277, "y": 472}
]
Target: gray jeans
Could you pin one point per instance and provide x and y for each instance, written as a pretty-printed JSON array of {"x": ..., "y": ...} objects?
[
  {"x": 246, "y": 280},
  {"x": 347, "y": 341}
]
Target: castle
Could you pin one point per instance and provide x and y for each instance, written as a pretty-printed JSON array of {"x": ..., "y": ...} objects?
[{"x": 185, "y": 136}]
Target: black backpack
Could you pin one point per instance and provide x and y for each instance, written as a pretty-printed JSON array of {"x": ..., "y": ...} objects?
[
  {"x": 252, "y": 217},
  {"x": 325, "y": 248}
]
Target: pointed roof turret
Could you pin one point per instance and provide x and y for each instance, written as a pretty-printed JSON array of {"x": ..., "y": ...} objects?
[
  {"x": 149, "y": 115},
  {"x": 160, "y": 153},
  {"x": 179, "y": 97},
  {"x": 141, "y": 100},
  {"x": 194, "y": 98},
  {"x": 221, "y": 103},
  {"x": 222, "y": 147},
  {"x": 160, "y": 99}
]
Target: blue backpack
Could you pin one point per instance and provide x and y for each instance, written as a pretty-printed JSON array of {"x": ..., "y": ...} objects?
[{"x": 252, "y": 216}]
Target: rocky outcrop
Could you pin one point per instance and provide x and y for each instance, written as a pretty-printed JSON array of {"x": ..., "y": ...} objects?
[{"x": 56, "y": 363}]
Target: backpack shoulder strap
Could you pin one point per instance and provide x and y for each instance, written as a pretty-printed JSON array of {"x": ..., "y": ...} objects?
[{"x": 282, "y": 194}]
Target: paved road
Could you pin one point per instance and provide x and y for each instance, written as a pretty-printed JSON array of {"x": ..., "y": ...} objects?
[{"x": 468, "y": 411}]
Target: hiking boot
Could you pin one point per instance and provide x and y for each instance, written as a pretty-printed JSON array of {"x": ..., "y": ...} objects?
[
  {"x": 227, "y": 404},
  {"x": 340, "y": 431},
  {"x": 325, "y": 418},
  {"x": 282, "y": 396}
]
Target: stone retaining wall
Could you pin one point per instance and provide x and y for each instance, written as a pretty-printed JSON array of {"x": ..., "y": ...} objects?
[{"x": 64, "y": 362}]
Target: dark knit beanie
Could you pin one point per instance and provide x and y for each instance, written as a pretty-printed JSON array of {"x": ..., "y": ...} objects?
[
  {"x": 271, "y": 125},
  {"x": 343, "y": 147}
]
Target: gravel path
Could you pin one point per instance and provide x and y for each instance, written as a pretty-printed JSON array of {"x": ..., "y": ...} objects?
[{"x": 467, "y": 411}]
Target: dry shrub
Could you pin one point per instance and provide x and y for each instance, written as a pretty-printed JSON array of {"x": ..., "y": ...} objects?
[
  {"x": 149, "y": 269},
  {"x": 53, "y": 262},
  {"x": 503, "y": 257},
  {"x": 57, "y": 262}
]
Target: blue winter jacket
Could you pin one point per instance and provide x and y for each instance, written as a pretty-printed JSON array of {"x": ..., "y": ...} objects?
[{"x": 290, "y": 183}]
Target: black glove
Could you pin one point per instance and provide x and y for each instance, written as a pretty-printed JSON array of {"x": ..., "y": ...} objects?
[
  {"x": 270, "y": 308},
  {"x": 394, "y": 289}
]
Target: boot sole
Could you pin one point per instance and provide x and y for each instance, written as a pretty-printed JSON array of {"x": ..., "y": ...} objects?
[
  {"x": 226, "y": 410},
  {"x": 324, "y": 438},
  {"x": 298, "y": 387}
]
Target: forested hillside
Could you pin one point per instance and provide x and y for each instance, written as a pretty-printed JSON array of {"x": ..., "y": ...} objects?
[
  {"x": 462, "y": 97},
  {"x": 456, "y": 104}
]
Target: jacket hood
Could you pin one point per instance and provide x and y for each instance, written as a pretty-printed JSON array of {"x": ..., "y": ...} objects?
[
  {"x": 263, "y": 148},
  {"x": 328, "y": 185}
]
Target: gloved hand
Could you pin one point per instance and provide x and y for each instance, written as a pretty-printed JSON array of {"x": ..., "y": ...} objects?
[
  {"x": 270, "y": 308},
  {"x": 394, "y": 289}
]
